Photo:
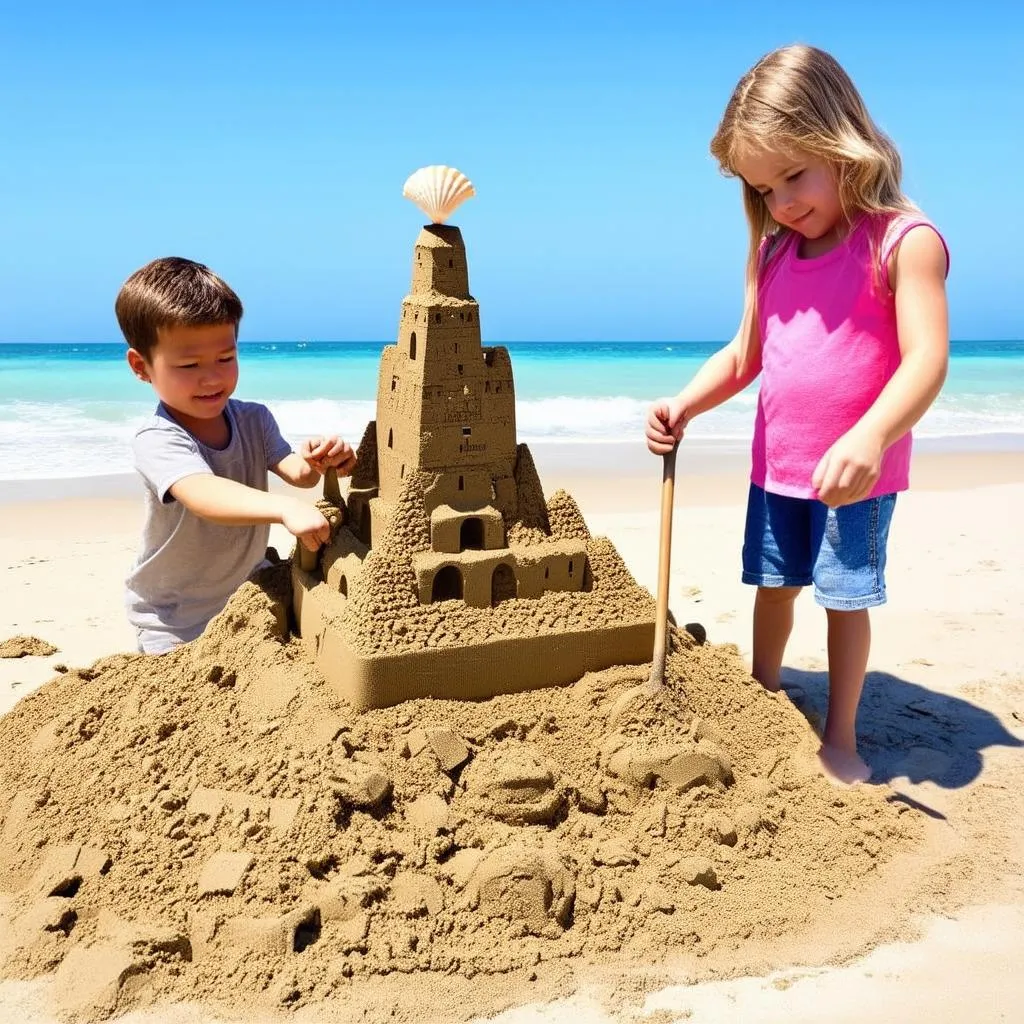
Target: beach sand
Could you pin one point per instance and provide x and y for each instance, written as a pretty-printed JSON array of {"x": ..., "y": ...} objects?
[{"x": 942, "y": 721}]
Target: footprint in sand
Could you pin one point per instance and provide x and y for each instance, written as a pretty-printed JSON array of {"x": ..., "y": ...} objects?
[{"x": 924, "y": 764}]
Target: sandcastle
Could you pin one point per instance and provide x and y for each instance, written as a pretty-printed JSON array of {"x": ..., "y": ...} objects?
[{"x": 446, "y": 507}]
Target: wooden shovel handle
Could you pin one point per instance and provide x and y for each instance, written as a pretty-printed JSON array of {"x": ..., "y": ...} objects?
[{"x": 668, "y": 481}]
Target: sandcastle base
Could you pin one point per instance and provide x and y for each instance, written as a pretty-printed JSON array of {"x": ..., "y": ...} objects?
[{"x": 471, "y": 671}]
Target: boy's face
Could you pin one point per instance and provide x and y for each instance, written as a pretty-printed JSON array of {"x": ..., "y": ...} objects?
[{"x": 193, "y": 370}]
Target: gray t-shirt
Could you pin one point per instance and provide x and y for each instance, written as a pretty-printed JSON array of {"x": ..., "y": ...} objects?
[{"x": 188, "y": 567}]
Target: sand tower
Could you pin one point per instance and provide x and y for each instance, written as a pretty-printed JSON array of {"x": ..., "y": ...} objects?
[{"x": 448, "y": 574}]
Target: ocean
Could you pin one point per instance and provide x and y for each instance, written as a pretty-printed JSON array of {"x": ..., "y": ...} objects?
[{"x": 70, "y": 410}]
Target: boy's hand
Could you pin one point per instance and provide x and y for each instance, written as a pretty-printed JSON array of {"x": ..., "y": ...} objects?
[
  {"x": 666, "y": 421},
  {"x": 849, "y": 469},
  {"x": 324, "y": 453},
  {"x": 306, "y": 524}
]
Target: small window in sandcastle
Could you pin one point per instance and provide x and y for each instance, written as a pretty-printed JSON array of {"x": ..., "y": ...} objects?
[
  {"x": 570, "y": 566},
  {"x": 467, "y": 431},
  {"x": 503, "y": 584},
  {"x": 456, "y": 348},
  {"x": 487, "y": 386},
  {"x": 391, "y": 438},
  {"x": 394, "y": 383},
  {"x": 547, "y": 572},
  {"x": 451, "y": 263},
  {"x": 471, "y": 534},
  {"x": 412, "y": 345},
  {"x": 437, "y": 318},
  {"x": 588, "y": 577},
  {"x": 460, "y": 368},
  {"x": 469, "y": 318},
  {"x": 462, "y": 483},
  {"x": 343, "y": 586},
  {"x": 489, "y": 357},
  {"x": 447, "y": 585}
]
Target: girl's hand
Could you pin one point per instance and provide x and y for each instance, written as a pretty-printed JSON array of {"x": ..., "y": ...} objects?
[
  {"x": 327, "y": 453},
  {"x": 849, "y": 469},
  {"x": 666, "y": 421}
]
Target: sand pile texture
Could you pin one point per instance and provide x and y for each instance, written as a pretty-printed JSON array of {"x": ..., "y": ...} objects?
[
  {"x": 213, "y": 824},
  {"x": 26, "y": 647}
]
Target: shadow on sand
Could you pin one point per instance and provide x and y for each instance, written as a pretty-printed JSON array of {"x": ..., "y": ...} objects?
[{"x": 908, "y": 731}]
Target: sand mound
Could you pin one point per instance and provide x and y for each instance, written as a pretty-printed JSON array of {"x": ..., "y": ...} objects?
[
  {"x": 25, "y": 647},
  {"x": 213, "y": 824}
]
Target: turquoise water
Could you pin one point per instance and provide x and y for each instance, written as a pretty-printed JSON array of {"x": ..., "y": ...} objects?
[{"x": 70, "y": 410}]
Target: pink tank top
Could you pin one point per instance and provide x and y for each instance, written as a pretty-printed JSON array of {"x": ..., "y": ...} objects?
[{"x": 828, "y": 347}]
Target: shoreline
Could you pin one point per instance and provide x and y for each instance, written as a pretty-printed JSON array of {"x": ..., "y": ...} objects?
[{"x": 708, "y": 472}]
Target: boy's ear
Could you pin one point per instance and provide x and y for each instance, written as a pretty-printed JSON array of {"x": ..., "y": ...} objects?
[{"x": 138, "y": 365}]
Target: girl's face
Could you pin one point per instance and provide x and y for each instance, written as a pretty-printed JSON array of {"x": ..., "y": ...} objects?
[{"x": 799, "y": 189}]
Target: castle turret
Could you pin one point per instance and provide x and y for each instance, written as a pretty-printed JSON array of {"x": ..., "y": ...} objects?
[{"x": 445, "y": 403}]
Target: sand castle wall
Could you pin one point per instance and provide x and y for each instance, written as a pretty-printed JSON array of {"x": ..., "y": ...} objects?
[{"x": 473, "y": 671}]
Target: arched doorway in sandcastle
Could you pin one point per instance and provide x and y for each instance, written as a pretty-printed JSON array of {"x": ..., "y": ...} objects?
[
  {"x": 503, "y": 584},
  {"x": 447, "y": 584},
  {"x": 471, "y": 534}
]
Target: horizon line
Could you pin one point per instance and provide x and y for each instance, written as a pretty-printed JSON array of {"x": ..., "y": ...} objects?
[{"x": 492, "y": 341}]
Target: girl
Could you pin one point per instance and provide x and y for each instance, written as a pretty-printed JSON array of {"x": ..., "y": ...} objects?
[{"x": 845, "y": 320}]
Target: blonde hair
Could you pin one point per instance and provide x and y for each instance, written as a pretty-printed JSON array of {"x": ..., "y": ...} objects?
[{"x": 799, "y": 99}]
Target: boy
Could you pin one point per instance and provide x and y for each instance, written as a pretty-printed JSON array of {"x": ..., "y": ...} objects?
[{"x": 204, "y": 456}]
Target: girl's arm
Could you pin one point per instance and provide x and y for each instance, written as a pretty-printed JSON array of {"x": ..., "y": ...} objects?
[
  {"x": 723, "y": 375},
  {"x": 851, "y": 467}
]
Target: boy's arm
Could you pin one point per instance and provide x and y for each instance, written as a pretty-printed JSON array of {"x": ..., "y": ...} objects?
[
  {"x": 294, "y": 469},
  {"x": 722, "y": 376},
  {"x": 230, "y": 503},
  {"x": 851, "y": 467}
]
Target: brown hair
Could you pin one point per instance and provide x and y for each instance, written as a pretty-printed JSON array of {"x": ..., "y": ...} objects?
[{"x": 172, "y": 292}]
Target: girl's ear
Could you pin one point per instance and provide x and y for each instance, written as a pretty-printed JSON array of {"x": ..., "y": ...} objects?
[{"x": 138, "y": 365}]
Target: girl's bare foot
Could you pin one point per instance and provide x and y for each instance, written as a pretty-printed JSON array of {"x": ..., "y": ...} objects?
[{"x": 842, "y": 767}]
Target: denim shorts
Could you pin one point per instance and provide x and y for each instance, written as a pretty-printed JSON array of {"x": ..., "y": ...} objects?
[{"x": 794, "y": 542}]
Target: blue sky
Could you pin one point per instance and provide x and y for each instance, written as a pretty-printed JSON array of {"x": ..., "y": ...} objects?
[{"x": 271, "y": 141}]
